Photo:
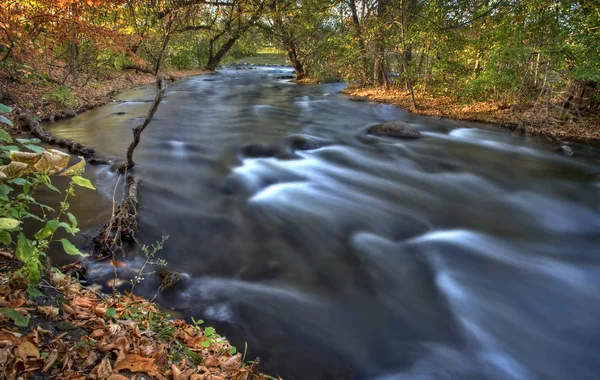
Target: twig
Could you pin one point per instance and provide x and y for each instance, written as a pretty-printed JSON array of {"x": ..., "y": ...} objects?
[{"x": 137, "y": 131}]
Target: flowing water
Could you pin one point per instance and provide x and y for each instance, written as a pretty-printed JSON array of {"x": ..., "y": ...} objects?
[{"x": 466, "y": 254}]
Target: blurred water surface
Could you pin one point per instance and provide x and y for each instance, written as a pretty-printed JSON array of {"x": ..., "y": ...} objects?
[{"x": 466, "y": 254}]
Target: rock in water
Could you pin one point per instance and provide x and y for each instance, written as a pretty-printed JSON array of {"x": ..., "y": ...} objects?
[
  {"x": 565, "y": 151},
  {"x": 260, "y": 151},
  {"x": 70, "y": 112},
  {"x": 302, "y": 143},
  {"x": 397, "y": 129},
  {"x": 169, "y": 280}
]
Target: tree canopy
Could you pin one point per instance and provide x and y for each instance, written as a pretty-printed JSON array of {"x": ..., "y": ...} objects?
[{"x": 506, "y": 50}]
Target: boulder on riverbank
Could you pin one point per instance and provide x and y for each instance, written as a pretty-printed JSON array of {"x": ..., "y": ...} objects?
[{"x": 397, "y": 129}]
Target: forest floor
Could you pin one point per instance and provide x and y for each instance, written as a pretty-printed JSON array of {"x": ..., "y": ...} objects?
[
  {"x": 529, "y": 120},
  {"x": 47, "y": 100},
  {"x": 62, "y": 329}
]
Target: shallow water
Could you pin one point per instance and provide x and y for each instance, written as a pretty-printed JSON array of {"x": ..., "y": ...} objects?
[{"x": 467, "y": 254}]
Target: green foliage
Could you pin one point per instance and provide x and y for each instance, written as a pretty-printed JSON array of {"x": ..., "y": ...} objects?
[
  {"x": 18, "y": 318},
  {"x": 111, "y": 312},
  {"x": 5, "y": 120},
  {"x": 21, "y": 177},
  {"x": 150, "y": 253},
  {"x": 63, "y": 95}
]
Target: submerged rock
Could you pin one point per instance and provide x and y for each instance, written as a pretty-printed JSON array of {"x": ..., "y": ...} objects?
[
  {"x": 170, "y": 279},
  {"x": 69, "y": 112},
  {"x": 303, "y": 143},
  {"x": 260, "y": 150},
  {"x": 565, "y": 151},
  {"x": 397, "y": 129}
]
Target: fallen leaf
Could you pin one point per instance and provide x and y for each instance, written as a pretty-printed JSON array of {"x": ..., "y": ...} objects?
[
  {"x": 49, "y": 312},
  {"x": 117, "y": 377},
  {"x": 211, "y": 361},
  {"x": 136, "y": 363},
  {"x": 50, "y": 360},
  {"x": 91, "y": 359},
  {"x": 175, "y": 372},
  {"x": 104, "y": 369},
  {"x": 27, "y": 349}
]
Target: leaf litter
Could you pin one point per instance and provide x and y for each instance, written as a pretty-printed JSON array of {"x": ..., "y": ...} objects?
[{"x": 85, "y": 334}]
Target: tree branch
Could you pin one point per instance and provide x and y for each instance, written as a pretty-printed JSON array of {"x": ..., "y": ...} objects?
[{"x": 137, "y": 131}]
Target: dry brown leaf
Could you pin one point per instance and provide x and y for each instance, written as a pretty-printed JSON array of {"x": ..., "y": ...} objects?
[
  {"x": 50, "y": 360},
  {"x": 97, "y": 333},
  {"x": 14, "y": 169},
  {"x": 49, "y": 312},
  {"x": 91, "y": 359},
  {"x": 136, "y": 363},
  {"x": 104, "y": 369},
  {"x": 117, "y": 377},
  {"x": 211, "y": 361},
  {"x": 27, "y": 349},
  {"x": 24, "y": 157},
  {"x": 51, "y": 161},
  {"x": 233, "y": 362},
  {"x": 82, "y": 302},
  {"x": 7, "y": 338},
  {"x": 175, "y": 372}
]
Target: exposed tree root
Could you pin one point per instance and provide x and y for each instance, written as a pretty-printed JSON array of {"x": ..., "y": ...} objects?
[
  {"x": 36, "y": 129},
  {"x": 122, "y": 227}
]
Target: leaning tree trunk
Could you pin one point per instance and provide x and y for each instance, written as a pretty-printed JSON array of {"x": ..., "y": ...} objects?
[
  {"x": 214, "y": 60},
  {"x": 293, "y": 57},
  {"x": 137, "y": 131}
]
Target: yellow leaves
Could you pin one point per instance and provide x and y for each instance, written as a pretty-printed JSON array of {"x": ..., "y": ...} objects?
[
  {"x": 13, "y": 170},
  {"x": 75, "y": 169},
  {"x": 49, "y": 162},
  {"x": 27, "y": 349}
]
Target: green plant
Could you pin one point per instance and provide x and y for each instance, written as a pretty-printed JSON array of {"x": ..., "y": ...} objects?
[
  {"x": 4, "y": 119},
  {"x": 20, "y": 177},
  {"x": 149, "y": 253},
  {"x": 62, "y": 95}
]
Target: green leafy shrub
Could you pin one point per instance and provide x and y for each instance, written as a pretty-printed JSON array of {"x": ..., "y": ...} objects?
[
  {"x": 21, "y": 175},
  {"x": 62, "y": 95}
]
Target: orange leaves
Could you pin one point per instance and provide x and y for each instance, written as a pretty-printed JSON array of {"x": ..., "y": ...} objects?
[
  {"x": 136, "y": 363},
  {"x": 135, "y": 338}
]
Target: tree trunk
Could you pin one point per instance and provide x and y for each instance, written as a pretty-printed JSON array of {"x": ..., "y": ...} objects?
[
  {"x": 361, "y": 40},
  {"x": 161, "y": 54},
  {"x": 379, "y": 77},
  {"x": 293, "y": 57},
  {"x": 213, "y": 61}
]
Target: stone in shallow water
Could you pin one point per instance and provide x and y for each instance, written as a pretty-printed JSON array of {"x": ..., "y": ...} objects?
[
  {"x": 565, "y": 151},
  {"x": 69, "y": 112},
  {"x": 397, "y": 129},
  {"x": 302, "y": 143},
  {"x": 260, "y": 150}
]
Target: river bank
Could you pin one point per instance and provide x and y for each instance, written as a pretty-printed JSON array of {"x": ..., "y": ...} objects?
[
  {"x": 529, "y": 120},
  {"x": 50, "y": 101},
  {"x": 64, "y": 329}
]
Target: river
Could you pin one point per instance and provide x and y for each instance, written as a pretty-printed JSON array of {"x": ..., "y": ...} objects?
[{"x": 466, "y": 254}]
